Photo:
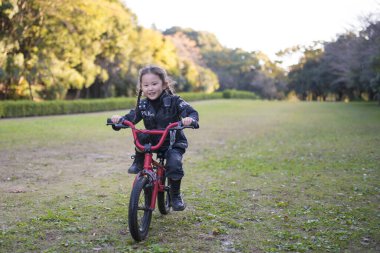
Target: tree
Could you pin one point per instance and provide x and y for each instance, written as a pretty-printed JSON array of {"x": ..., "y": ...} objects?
[
  {"x": 195, "y": 75},
  {"x": 348, "y": 66},
  {"x": 62, "y": 45},
  {"x": 369, "y": 58},
  {"x": 307, "y": 77},
  {"x": 20, "y": 23}
]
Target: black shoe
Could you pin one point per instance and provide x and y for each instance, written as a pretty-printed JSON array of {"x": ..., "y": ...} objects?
[
  {"x": 135, "y": 168},
  {"x": 177, "y": 203},
  {"x": 175, "y": 194},
  {"x": 137, "y": 164}
]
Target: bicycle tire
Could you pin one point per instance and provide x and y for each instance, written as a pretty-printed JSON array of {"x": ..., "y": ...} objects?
[
  {"x": 140, "y": 213},
  {"x": 163, "y": 198}
]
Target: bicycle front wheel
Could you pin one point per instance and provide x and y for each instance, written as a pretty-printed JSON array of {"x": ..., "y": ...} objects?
[{"x": 140, "y": 213}]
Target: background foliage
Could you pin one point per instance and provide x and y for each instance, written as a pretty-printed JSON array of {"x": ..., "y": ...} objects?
[
  {"x": 347, "y": 68},
  {"x": 94, "y": 48}
]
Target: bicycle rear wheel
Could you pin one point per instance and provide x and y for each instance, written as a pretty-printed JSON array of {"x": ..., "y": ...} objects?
[
  {"x": 140, "y": 213},
  {"x": 163, "y": 198}
]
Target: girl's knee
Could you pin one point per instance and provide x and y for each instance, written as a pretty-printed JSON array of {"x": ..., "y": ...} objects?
[{"x": 174, "y": 163}]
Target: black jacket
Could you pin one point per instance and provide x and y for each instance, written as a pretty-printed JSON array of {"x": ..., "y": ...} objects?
[{"x": 158, "y": 114}]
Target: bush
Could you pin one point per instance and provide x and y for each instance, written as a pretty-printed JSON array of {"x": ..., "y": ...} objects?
[
  {"x": 239, "y": 94},
  {"x": 193, "y": 96},
  {"x": 11, "y": 109}
]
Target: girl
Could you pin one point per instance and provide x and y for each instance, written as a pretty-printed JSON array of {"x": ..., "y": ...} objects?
[{"x": 160, "y": 108}]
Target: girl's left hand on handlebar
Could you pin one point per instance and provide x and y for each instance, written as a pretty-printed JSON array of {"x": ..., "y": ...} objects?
[
  {"x": 187, "y": 121},
  {"x": 115, "y": 119}
]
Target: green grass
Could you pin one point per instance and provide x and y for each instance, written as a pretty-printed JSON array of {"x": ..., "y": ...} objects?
[{"x": 260, "y": 177}]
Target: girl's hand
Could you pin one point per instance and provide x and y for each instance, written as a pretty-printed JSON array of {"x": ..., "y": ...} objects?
[
  {"x": 187, "y": 121},
  {"x": 115, "y": 118}
]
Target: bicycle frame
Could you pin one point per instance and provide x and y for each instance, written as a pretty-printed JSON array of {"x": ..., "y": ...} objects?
[
  {"x": 155, "y": 177},
  {"x": 150, "y": 183}
]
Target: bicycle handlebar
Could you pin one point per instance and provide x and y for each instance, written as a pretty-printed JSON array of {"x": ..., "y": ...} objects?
[{"x": 163, "y": 132}]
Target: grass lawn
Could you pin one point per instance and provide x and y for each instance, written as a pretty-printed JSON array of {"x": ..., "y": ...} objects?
[{"x": 260, "y": 177}]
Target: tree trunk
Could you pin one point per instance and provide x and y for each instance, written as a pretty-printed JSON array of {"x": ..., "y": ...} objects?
[{"x": 30, "y": 91}]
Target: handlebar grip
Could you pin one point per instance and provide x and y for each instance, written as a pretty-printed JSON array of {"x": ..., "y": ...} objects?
[
  {"x": 115, "y": 128},
  {"x": 110, "y": 123},
  {"x": 195, "y": 124}
]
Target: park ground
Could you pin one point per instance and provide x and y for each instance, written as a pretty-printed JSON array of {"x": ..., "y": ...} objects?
[{"x": 260, "y": 177}]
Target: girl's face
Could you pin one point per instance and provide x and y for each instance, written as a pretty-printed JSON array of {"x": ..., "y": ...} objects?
[{"x": 152, "y": 86}]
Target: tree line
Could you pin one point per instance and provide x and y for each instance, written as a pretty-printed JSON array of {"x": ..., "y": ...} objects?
[
  {"x": 84, "y": 49},
  {"x": 346, "y": 68},
  {"x": 68, "y": 49}
]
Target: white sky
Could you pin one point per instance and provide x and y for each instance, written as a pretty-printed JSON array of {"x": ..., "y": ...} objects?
[{"x": 265, "y": 25}]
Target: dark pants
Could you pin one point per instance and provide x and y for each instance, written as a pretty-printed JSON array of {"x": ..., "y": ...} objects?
[
  {"x": 173, "y": 158},
  {"x": 173, "y": 165}
]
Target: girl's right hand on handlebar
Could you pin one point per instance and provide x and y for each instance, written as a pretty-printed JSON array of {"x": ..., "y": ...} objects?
[
  {"x": 115, "y": 119},
  {"x": 187, "y": 121}
]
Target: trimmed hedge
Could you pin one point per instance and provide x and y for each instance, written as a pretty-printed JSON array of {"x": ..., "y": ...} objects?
[
  {"x": 9, "y": 109},
  {"x": 239, "y": 94},
  {"x": 25, "y": 108},
  {"x": 192, "y": 96}
]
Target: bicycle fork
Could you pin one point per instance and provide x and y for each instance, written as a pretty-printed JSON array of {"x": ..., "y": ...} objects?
[{"x": 154, "y": 178}]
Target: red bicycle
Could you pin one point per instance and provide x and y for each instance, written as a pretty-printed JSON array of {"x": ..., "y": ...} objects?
[{"x": 150, "y": 183}]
